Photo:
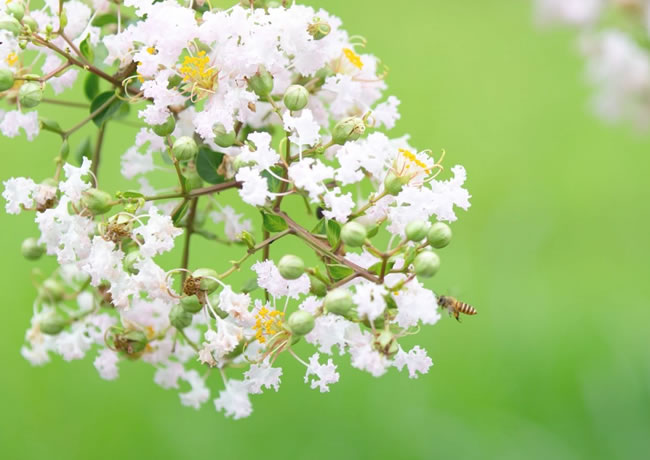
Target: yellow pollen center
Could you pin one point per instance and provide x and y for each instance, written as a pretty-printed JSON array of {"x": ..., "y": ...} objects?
[
  {"x": 267, "y": 323},
  {"x": 151, "y": 50},
  {"x": 195, "y": 69},
  {"x": 12, "y": 59},
  {"x": 353, "y": 57},
  {"x": 410, "y": 157}
]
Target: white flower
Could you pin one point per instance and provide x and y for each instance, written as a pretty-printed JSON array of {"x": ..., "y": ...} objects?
[
  {"x": 309, "y": 174},
  {"x": 262, "y": 375},
  {"x": 369, "y": 299},
  {"x": 12, "y": 122},
  {"x": 236, "y": 305},
  {"x": 416, "y": 360},
  {"x": 305, "y": 131},
  {"x": 386, "y": 113},
  {"x": 234, "y": 223},
  {"x": 326, "y": 373},
  {"x": 340, "y": 205},
  {"x": 269, "y": 278},
  {"x": 74, "y": 185},
  {"x": 329, "y": 330},
  {"x": 218, "y": 344},
  {"x": 415, "y": 303},
  {"x": 234, "y": 400},
  {"x": 19, "y": 192},
  {"x": 199, "y": 392},
  {"x": 575, "y": 12},
  {"x": 167, "y": 377},
  {"x": 364, "y": 356},
  {"x": 255, "y": 189},
  {"x": 106, "y": 364},
  {"x": 158, "y": 234},
  {"x": 134, "y": 163},
  {"x": 264, "y": 156}
]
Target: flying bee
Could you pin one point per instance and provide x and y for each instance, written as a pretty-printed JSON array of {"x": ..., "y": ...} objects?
[{"x": 455, "y": 307}]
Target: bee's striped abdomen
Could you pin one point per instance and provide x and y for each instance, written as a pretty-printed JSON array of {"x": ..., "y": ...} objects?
[{"x": 466, "y": 309}]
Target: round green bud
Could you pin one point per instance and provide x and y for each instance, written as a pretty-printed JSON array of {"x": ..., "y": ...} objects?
[
  {"x": 179, "y": 318},
  {"x": 339, "y": 302},
  {"x": 301, "y": 322},
  {"x": 261, "y": 83},
  {"x": 319, "y": 29},
  {"x": 137, "y": 341},
  {"x": 426, "y": 264},
  {"x": 296, "y": 97},
  {"x": 291, "y": 267},
  {"x": 31, "y": 23},
  {"x": 185, "y": 148},
  {"x": 10, "y": 24},
  {"x": 386, "y": 343},
  {"x": 31, "y": 249},
  {"x": 52, "y": 290},
  {"x": 416, "y": 230},
  {"x": 394, "y": 183},
  {"x": 30, "y": 94},
  {"x": 354, "y": 234},
  {"x": 348, "y": 129},
  {"x": 222, "y": 137},
  {"x": 439, "y": 235},
  {"x": 16, "y": 9},
  {"x": 191, "y": 304},
  {"x": 166, "y": 128},
  {"x": 52, "y": 325},
  {"x": 317, "y": 287},
  {"x": 130, "y": 260},
  {"x": 97, "y": 201},
  {"x": 214, "y": 302},
  {"x": 192, "y": 180},
  {"x": 206, "y": 284}
]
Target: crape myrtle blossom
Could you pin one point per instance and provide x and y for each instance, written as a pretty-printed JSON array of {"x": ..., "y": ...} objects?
[
  {"x": 617, "y": 58},
  {"x": 252, "y": 114}
]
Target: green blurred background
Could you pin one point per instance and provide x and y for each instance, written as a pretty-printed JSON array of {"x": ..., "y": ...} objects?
[{"x": 553, "y": 253}]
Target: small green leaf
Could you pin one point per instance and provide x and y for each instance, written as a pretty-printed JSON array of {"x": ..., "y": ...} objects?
[
  {"x": 179, "y": 213},
  {"x": 320, "y": 227},
  {"x": 249, "y": 286},
  {"x": 273, "y": 223},
  {"x": 207, "y": 164},
  {"x": 333, "y": 233},
  {"x": 274, "y": 183},
  {"x": 104, "y": 20},
  {"x": 50, "y": 125},
  {"x": 85, "y": 149},
  {"x": 91, "y": 86},
  {"x": 87, "y": 50},
  {"x": 338, "y": 271},
  {"x": 377, "y": 267},
  {"x": 108, "y": 111},
  {"x": 131, "y": 194}
]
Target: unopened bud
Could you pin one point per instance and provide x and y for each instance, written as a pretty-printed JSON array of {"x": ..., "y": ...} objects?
[
  {"x": 439, "y": 235},
  {"x": 6, "y": 79},
  {"x": 261, "y": 83},
  {"x": 348, "y": 129},
  {"x": 222, "y": 137},
  {"x": 16, "y": 9},
  {"x": 63, "y": 19},
  {"x": 214, "y": 303},
  {"x": 52, "y": 325},
  {"x": 353, "y": 234},
  {"x": 130, "y": 260},
  {"x": 296, "y": 97},
  {"x": 166, "y": 128},
  {"x": 301, "y": 322},
  {"x": 394, "y": 183},
  {"x": 339, "y": 302},
  {"x": 52, "y": 290},
  {"x": 319, "y": 29},
  {"x": 191, "y": 304},
  {"x": 136, "y": 341},
  {"x": 31, "y": 23},
  {"x": 426, "y": 264},
  {"x": 247, "y": 238},
  {"x": 185, "y": 148},
  {"x": 386, "y": 343},
  {"x": 31, "y": 249},
  {"x": 317, "y": 287},
  {"x": 416, "y": 230},
  {"x": 205, "y": 282},
  {"x": 10, "y": 24},
  {"x": 179, "y": 318},
  {"x": 192, "y": 180},
  {"x": 97, "y": 201},
  {"x": 30, "y": 94},
  {"x": 291, "y": 267}
]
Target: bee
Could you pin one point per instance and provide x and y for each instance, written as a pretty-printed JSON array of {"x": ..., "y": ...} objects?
[{"x": 455, "y": 307}]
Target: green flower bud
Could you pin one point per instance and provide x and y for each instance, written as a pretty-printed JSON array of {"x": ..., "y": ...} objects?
[
  {"x": 192, "y": 180},
  {"x": 10, "y": 24},
  {"x": 31, "y": 249},
  {"x": 16, "y": 9},
  {"x": 296, "y": 97},
  {"x": 166, "y": 128},
  {"x": 301, "y": 322},
  {"x": 416, "y": 230},
  {"x": 30, "y": 94},
  {"x": 97, "y": 201},
  {"x": 247, "y": 238},
  {"x": 394, "y": 183},
  {"x": 348, "y": 129},
  {"x": 353, "y": 234},
  {"x": 22, "y": 44},
  {"x": 386, "y": 343},
  {"x": 191, "y": 304},
  {"x": 179, "y": 318},
  {"x": 426, "y": 264},
  {"x": 222, "y": 137},
  {"x": 339, "y": 302},
  {"x": 261, "y": 83},
  {"x": 52, "y": 325},
  {"x": 52, "y": 290},
  {"x": 319, "y": 29},
  {"x": 291, "y": 267},
  {"x": 185, "y": 148},
  {"x": 206, "y": 284},
  {"x": 130, "y": 260},
  {"x": 63, "y": 19},
  {"x": 439, "y": 235},
  {"x": 31, "y": 23},
  {"x": 317, "y": 287},
  {"x": 136, "y": 341},
  {"x": 214, "y": 302}
]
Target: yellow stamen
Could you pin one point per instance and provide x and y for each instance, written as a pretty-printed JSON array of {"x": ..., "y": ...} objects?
[
  {"x": 267, "y": 323},
  {"x": 151, "y": 50},
  {"x": 413, "y": 159},
  {"x": 12, "y": 59},
  {"x": 353, "y": 57}
]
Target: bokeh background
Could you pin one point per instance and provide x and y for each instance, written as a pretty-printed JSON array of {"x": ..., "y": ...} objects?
[{"x": 554, "y": 253}]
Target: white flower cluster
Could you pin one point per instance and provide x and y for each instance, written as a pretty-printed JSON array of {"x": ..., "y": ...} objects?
[
  {"x": 274, "y": 103},
  {"x": 614, "y": 40}
]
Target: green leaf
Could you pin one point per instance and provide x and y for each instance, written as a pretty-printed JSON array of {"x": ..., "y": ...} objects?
[
  {"x": 85, "y": 149},
  {"x": 104, "y": 20},
  {"x": 249, "y": 286},
  {"x": 107, "y": 112},
  {"x": 333, "y": 233},
  {"x": 273, "y": 182},
  {"x": 50, "y": 125},
  {"x": 320, "y": 227},
  {"x": 272, "y": 223},
  {"x": 338, "y": 271},
  {"x": 91, "y": 86},
  {"x": 207, "y": 164},
  {"x": 87, "y": 50},
  {"x": 179, "y": 212},
  {"x": 131, "y": 194}
]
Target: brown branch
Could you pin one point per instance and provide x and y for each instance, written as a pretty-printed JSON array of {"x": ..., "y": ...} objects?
[{"x": 196, "y": 192}]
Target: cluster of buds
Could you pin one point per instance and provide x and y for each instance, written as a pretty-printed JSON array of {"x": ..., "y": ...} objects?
[{"x": 251, "y": 113}]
